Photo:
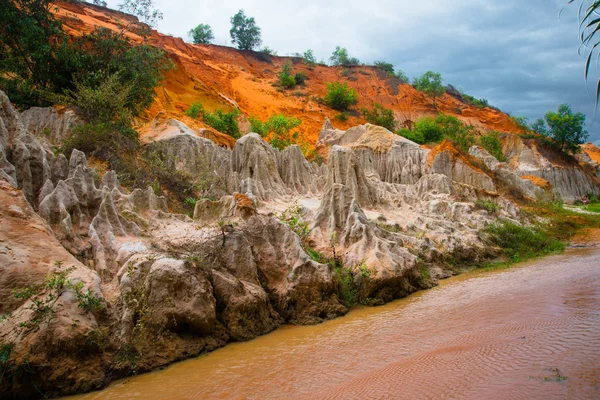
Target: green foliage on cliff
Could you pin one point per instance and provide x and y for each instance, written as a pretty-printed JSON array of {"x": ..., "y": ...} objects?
[
  {"x": 430, "y": 83},
  {"x": 225, "y": 122},
  {"x": 339, "y": 96},
  {"x": 491, "y": 143},
  {"x": 340, "y": 57},
  {"x": 381, "y": 116},
  {"x": 434, "y": 130},
  {"x": 38, "y": 62},
  {"x": 280, "y": 127},
  {"x": 286, "y": 77}
]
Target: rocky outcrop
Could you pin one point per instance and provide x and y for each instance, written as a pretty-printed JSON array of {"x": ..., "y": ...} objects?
[
  {"x": 275, "y": 239},
  {"x": 569, "y": 180},
  {"x": 48, "y": 125}
]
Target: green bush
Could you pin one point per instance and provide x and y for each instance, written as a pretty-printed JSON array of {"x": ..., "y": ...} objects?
[
  {"x": 292, "y": 217},
  {"x": 520, "y": 243},
  {"x": 386, "y": 66},
  {"x": 340, "y": 57},
  {"x": 414, "y": 136},
  {"x": 488, "y": 205},
  {"x": 402, "y": 76},
  {"x": 225, "y": 122},
  {"x": 286, "y": 79},
  {"x": 380, "y": 116},
  {"x": 491, "y": 143},
  {"x": 452, "y": 128},
  {"x": 280, "y": 126},
  {"x": 429, "y": 130},
  {"x": 309, "y": 58},
  {"x": 195, "y": 111},
  {"x": 339, "y": 96},
  {"x": 301, "y": 78},
  {"x": 343, "y": 116},
  {"x": 101, "y": 103}
]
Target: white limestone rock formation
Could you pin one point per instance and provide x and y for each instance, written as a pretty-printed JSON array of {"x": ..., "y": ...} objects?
[{"x": 48, "y": 125}]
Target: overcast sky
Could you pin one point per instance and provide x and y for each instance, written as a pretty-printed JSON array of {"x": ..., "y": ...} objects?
[{"x": 518, "y": 54}]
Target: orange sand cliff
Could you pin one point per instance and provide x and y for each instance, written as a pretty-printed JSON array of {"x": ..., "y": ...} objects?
[{"x": 224, "y": 77}]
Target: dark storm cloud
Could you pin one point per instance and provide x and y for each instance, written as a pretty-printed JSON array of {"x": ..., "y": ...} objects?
[{"x": 518, "y": 54}]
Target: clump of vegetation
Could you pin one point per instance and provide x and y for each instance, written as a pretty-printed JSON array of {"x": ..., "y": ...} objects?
[
  {"x": 434, "y": 130},
  {"x": 268, "y": 51},
  {"x": 201, "y": 34},
  {"x": 340, "y": 57},
  {"x": 339, "y": 96},
  {"x": 244, "y": 32},
  {"x": 292, "y": 217},
  {"x": 386, "y": 66},
  {"x": 523, "y": 122},
  {"x": 379, "y": 115},
  {"x": 520, "y": 243},
  {"x": 43, "y": 297},
  {"x": 402, "y": 76},
  {"x": 309, "y": 59},
  {"x": 479, "y": 103},
  {"x": 223, "y": 121},
  {"x": 490, "y": 206},
  {"x": 343, "y": 116},
  {"x": 491, "y": 143},
  {"x": 286, "y": 77},
  {"x": 195, "y": 111},
  {"x": 279, "y": 127},
  {"x": 564, "y": 127},
  {"x": 430, "y": 83}
]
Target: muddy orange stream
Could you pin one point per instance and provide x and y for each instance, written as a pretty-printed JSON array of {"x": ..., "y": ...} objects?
[{"x": 528, "y": 332}]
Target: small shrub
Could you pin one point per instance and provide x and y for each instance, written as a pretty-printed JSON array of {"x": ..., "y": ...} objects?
[
  {"x": 340, "y": 57},
  {"x": 429, "y": 130},
  {"x": 225, "y": 122},
  {"x": 380, "y": 116},
  {"x": 201, "y": 34},
  {"x": 343, "y": 116},
  {"x": 488, "y": 205},
  {"x": 309, "y": 58},
  {"x": 402, "y": 76},
  {"x": 301, "y": 78},
  {"x": 286, "y": 79},
  {"x": 316, "y": 256},
  {"x": 430, "y": 83},
  {"x": 195, "y": 111},
  {"x": 44, "y": 297},
  {"x": 292, "y": 217},
  {"x": 387, "y": 67},
  {"x": 339, "y": 96},
  {"x": 268, "y": 51},
  {"x": 413, "y": 136},
  {"x": 280, "y": 126},
  {"x": 491, "y": 143}
]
